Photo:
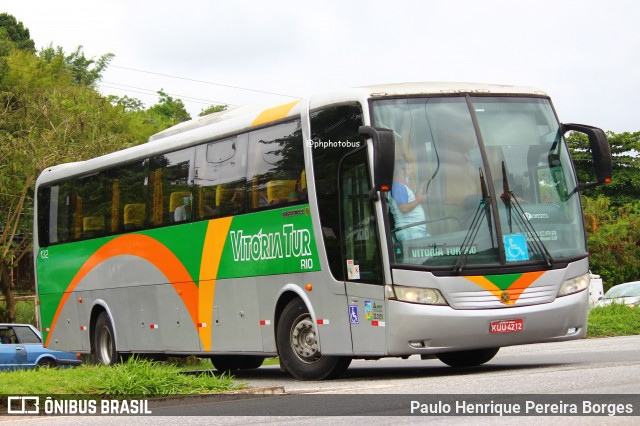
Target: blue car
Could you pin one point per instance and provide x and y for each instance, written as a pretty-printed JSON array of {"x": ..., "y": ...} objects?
[{"x": 21, "y": 347}]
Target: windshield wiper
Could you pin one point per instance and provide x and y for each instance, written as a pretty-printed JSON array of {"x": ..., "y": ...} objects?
[
  {"x": 482, "y": 211},
  {"x": 520, "y": 218}
]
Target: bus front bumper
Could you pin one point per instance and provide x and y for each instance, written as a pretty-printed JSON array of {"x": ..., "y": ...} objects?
[{"x": 427, "y": 329}]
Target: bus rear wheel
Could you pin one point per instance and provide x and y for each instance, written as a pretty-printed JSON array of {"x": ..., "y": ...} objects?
[
  {"x": 298, "y": 346},
  {"x": 104, "y": 341},
  {"x": 469, "y": 358}
]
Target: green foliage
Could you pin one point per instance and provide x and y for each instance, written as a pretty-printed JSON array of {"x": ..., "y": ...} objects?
[
  {"x": 212, "y": 109},
  {"x": 613, "y": 320},
  {"x": 613, "y": 236},
  {"x": 83, "y": 71},
  {"x": 26, "y": 312},
  {"x": 144, "y": 123},
  {"x": 612, "y": 212},
  {"x": 126, "y": 103},
  {"x": 625, "y": 187},
  {"x": 135, "y": 377},
  {"x": 13, "y": 34},
  {"x": 168, "y": 112},
  {"x": 51, "y": 113}
]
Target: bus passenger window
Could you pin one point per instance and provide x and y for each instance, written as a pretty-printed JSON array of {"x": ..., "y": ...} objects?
[
  {"x": 276, "y": 166},
  {"x": 170, "y": 177},
  {"x": 220, "y": 178},
  {"x": 128, "y": 197}
]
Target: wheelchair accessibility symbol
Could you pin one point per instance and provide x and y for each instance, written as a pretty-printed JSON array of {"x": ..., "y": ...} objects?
[
  {"x": 515, "y": 247},
  {"x": 353, "y": 314}
]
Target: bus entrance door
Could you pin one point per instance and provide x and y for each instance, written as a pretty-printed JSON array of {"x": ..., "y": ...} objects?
[{"x": 361, "y": 257}]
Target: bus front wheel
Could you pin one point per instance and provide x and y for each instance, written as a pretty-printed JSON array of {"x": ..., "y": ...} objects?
[
  {"x": 104, "y": 341},
  {"x": 469, "y": 358},
  {"x": 298, "y": 346}
]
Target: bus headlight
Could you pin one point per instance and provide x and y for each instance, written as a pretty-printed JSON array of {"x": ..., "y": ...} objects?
[
  {"x": 426, "y": 296},
  {"x": 574, "y": 285}
]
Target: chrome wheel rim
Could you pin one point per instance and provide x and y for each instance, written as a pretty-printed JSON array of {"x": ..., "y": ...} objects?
[
  {"x": 304, "y": 341},
  {"x": 104, "y": 345}
]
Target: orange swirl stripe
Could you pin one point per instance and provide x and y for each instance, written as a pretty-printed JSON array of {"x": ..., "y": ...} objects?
[{"x": 146, "y": 248}]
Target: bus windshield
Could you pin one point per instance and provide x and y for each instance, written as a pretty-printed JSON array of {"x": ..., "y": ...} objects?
[{"x": 501, "y": 192}]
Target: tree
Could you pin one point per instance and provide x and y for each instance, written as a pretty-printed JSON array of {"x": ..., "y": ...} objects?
[
  {"x": 15, "y": 34},
  {"x": 83, "y": 71},
  {"x": 613, "y": 236},
  {"x": 168, "y": 111},
  {"x": 212, "y": 109},
  {"x": 625, "y": 187},
  {"x": 612, "y": 212},
  {"x": 47, "y": 117},
  {"x": 128, "y": 104},
  {"x": 142, "y": 123}
]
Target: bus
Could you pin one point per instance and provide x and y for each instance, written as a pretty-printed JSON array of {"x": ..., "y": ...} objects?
[{"x": 430, "y": 219}]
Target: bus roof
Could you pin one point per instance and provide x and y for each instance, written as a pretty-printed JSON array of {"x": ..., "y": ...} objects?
[
  {"x": 228, "y": 122},
  {"x": 439, "y": 88}
]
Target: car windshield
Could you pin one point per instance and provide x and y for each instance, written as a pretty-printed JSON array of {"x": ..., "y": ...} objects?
[
  {"x": 623, "y": 290},
  {"x": 500, "y": 192}
]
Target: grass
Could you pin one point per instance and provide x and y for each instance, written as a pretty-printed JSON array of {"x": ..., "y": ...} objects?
[
  {"x": 25, "y": 312},
  {"x": 134, "y": 377},
  {"x": 613, "y": 320}
]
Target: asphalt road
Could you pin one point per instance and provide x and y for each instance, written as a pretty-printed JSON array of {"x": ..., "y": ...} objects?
[
  {"x": 599, "y": 371},
  {"x": 610, "y": 365}
]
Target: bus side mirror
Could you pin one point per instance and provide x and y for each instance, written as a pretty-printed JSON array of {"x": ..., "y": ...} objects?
[
  {"x": 600, "y": 151},
  {"x": 384, "y": 153}
]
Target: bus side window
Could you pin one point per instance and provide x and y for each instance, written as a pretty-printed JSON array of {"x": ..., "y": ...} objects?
[
  {"x": 220, "y": 178},
  {"x": 170, "y": 197},
  {"x": 276, "y": 164},
  {"x": 128, "y": 187}
]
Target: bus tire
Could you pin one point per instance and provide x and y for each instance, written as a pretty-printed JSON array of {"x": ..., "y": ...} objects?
[
  {"x": 469, "y": 358},
  {"x": 104, "y": 341},
  {"x": 298, "y": 346}
]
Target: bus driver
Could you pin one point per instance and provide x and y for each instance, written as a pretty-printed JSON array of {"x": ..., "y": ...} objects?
[{"x": 406, "y": 206}]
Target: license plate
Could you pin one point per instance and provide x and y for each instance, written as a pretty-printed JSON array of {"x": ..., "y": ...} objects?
[{"x": 507, "y": 326}]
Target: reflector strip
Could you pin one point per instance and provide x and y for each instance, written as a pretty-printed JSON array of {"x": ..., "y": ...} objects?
[
  {"x": 153, "y": 326},
  {"x": 202, "y": 325},
  {"x": 376, "y": 323},
  {"x": 265, "y": 322},
  {"x": 83, "y": 328},
  {"x": 323, "y": 322}
]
